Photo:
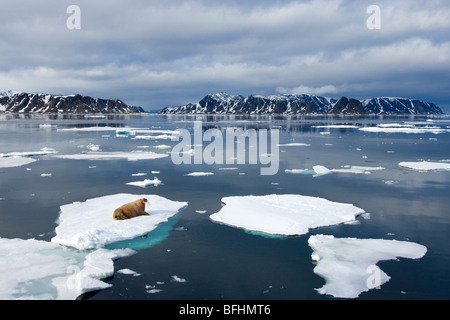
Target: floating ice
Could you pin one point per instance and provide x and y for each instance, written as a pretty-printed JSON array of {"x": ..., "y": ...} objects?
[
  {"x": 131, "y": 156},
  {"x": 294, "y": 144},
  {"x": 319, "y": 170},
  {"x": 425, "y": 165},
  {"x": 11, "y": 162},
  {"x": 357, "y": 169},
  {"x": 287, "y": 215},
  {"x": 348, "y": 264},
  {"x": 33, "y": 269},
  {"x": 90, "y": 224},
  {"x": 200, "y": 174},
  {"x": 403, "y": 128},
  {"x": 42, "y": 152},
  {"x": 147, "y": 182},
  {"x": 338, "y": 126}
]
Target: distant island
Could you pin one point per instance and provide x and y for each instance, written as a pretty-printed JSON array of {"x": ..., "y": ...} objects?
[
  {"x": 223, "y": 103},
  {"x": 21, "y": 102}
]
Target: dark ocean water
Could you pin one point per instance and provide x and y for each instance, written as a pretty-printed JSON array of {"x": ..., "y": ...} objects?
[{"x": 221, "y": 262}]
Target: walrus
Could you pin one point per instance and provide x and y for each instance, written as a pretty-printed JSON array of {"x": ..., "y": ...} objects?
[{"x": 131, "y": 210}]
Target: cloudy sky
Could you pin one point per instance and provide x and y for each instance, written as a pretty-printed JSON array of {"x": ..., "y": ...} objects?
[{"x": 171, "y": 52}]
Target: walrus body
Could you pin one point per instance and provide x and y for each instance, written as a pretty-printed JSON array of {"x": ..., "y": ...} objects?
[{"x": 131, "y": 210}]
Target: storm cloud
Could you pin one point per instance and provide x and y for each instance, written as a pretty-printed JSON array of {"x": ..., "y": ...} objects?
[{"x": 161, "y": 53}]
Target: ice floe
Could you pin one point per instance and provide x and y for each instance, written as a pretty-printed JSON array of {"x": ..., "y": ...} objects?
[
  {"x": 426, "y": 165},
  {"x": 42, "y": 152},
  {"x": 319, "y": 170},
  {"x": 34, "y": 269},
  {"x": 403, "y": 128},
  {"x": 11, "y": 162},
  {"x": 338, "y": 126},
  {"x": 130, "y": 156},
  {"x": 90, "y": 224},
  {"x": 200, "y": 174},
  {"x": 349, "y": 265},
  {"x": 145, "y": 183},
  {"x": 294, "y": 144},
  {"x": 287, "y": 215}
]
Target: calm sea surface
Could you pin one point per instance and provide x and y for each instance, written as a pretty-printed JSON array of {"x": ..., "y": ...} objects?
[{"x": 221, "y": 262}]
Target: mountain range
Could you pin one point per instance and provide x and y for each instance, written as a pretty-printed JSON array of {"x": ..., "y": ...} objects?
[
  {"x": 223, "y": 103},
  {"x": 21, "y": 102}
]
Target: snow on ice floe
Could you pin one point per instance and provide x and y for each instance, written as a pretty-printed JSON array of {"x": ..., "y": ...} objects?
[
  {"x": 426, "y": 166},
  {"x": 34, "y": 269},
  {"x": 90, "y": 224},
  {"x": 286, "y": 215},
  {"x": 130, "y": 156},
  {"x": 349, "y": 265},
  {"x": 145, "y": 183}
]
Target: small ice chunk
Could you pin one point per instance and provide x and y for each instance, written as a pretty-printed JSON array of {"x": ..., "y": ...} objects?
[
  {"x": 349, "y": 265},
  {"x": 176, "y": 278},
  {"x": 93, "y": 147},
  {"x": 147, "y": 182},
  {"x": 287, "y": 215},
  {"x": 128, "y": 271},
  {"x": 321, "y": 170}
]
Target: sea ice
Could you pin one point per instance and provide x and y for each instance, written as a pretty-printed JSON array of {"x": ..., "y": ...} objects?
[
  {"x": 287, "y": 215},
  {"x": 406, "y": 128},
  {"x": 11, "y": 162},
  {"x": 131, "y": 156},
  {"x": 425, "y": 165},
  {"x": 90, "y": 224},
  {"x": 200, "y": 174},
  {"x": 34, "y": 269},
  {"x": 349, "y": 265},
  {"x": 294, "y": 144},
  {"x": 319, "y": 170},
  {"x": 147, "y": 182}
]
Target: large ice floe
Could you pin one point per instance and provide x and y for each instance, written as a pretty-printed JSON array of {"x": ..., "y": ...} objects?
[
  {"x": 90, "y": 224},
  {"x": 426, "y": 166},
  {"x": 34, "y": 269},
  {"x": 349, "y": 265},
  {"x": 286, "y": 215},
  {"x": 403, "y": 128},
  {"x": 130, "y": 156}
]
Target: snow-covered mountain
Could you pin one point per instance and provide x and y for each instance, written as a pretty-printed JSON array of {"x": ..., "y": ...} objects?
[
  {"x": 22, "y": 102},
  {"x": 223, "y": 103}
]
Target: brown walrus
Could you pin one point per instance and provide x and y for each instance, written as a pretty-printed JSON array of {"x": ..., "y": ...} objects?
[{"x": 131, "y": 210}]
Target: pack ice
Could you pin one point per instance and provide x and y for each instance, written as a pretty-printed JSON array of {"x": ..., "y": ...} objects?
[
  {"x": 287, "y": 215},
  {"x": 90, "y": 224}
]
